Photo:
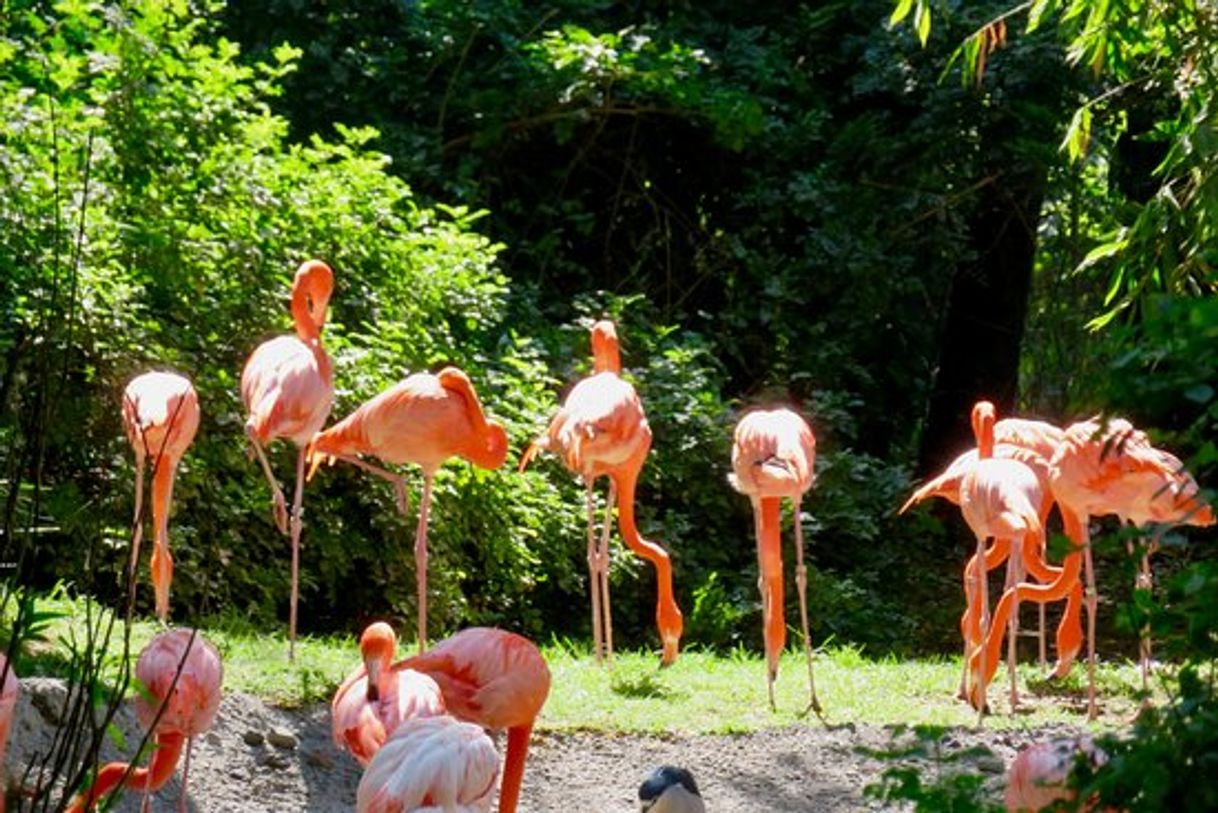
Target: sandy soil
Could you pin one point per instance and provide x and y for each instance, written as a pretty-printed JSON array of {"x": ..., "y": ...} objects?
[{"x": 259, "y": 758}]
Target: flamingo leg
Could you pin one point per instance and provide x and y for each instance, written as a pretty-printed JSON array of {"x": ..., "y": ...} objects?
[
  {"x": 1040, "y": 636},
  {"x": 297, "y": 499},
  {"x": 1092, "y": 601},
  {"x": 594, "y": 579},
  {"x": 185, "y": 772},
  {"x": 1145, "y": 581},
  {"x": 137, "y": 531},
  {"x": 801, "y": 579},
  {"x": 401, "y": 493},
  {"x": 1014, "y": 577},
  {"x": 602, "y": 558},
  {"x": 983, "y": 619},
  {"x": 420, "y": 560},
  {"x": 279, "y": 509}
]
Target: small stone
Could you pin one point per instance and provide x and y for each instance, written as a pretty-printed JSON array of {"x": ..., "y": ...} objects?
[
  {"x": 277, "y": 761},
  {"x": 318, "y": 760},
  {"x": 253, "y": 737},
  {"x": 49, "y": 696},
  {"x": 991, "y": 764},
  {"x": 281, "y": 738}
]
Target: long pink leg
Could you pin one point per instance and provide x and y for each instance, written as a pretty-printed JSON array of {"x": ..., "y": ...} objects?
[
  {"x": 420, "y": 560},
  {"x": 594, "y": 579},
  {"x": 295, "y": 528},
  {"x": 1014, "y": 576},
  {"x": 1092, "y": 607},
  {"x": 279, "y": 508},
  {"x": 400, "y": 493},
  {"x": 190, "y": 741},
  {"x": 984, "y": 621},
  {"x": 602, "y": 558},
  {"x": 801, "y": 579}
]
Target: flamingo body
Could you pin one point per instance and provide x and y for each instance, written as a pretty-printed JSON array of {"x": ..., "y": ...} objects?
[
  {"x": 431, "y": 764},
  {"x": 1037, "y": 776},
  {"x": 161, "y": 417},
  {"x": 496, "y": 679},
  {"x": 376, "y": 698}
]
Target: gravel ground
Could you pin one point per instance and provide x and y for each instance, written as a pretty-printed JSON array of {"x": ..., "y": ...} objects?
[{"x": 261, "y": 758}]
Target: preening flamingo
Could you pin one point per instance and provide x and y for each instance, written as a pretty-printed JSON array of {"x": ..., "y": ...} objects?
[
  {"x": 670, "y": 790},
  {"x": 431, "y": 765},
  {"x": 601, "y": 429},
  {"x": 182, "y": 675},
  {"x": 496, "y": 679},
  {"x": 288, "y": 387},
  {"x": 1037, "y": 776},
  {"x": 374, "y": 699},
  {"x": 998, "y": 498},
  {"x": 161, "y": 416},
  {"x": 773, "y": 454},
  {"x": 10, "y": 692},
  {"x": 425, "y": 420}
]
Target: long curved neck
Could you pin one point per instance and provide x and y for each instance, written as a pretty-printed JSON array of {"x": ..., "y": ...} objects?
[
  {"x": 513, "y": 767},
  {"x": 162, "y": 496},
  {"x": 307, "y": 327},
  {"x": 160, "y": 769},
  {"x": 606, "y": 358},
  {"x": 769, "y": 559}
]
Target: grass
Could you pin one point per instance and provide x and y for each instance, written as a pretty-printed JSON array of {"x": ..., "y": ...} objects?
[{"x": 702, "y": 693}]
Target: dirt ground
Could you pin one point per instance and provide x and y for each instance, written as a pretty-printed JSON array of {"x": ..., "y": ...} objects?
[{"x": 260, "y": 758}]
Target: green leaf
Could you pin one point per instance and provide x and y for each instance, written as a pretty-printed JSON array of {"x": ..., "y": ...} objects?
[
  {"x": 1078, "y": 134},
  {"x": 900, "y": 12},
  {"x": 1036, "y": 12},
  {"x": 922, "y": 21}
]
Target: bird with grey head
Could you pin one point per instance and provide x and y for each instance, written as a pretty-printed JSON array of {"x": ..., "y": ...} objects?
[{"x": 670, "y": 790}]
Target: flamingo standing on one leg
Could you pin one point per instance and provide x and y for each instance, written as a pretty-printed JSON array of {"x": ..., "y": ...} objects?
[
  {"x": 374, "y": 699},
  {"x": 288, "y": 388},
  {"x": 601, "y": 429},
  {"x": 496, "y": 679},
  {"x": 431, "y": 765},
  {"x": 772, "y": 457},
  {"x": 425, "y": 419},
  {"x": 161, "y": 416},
  {"x": 999, "y": 498},
  {"x": 182, "y": 675},
  {"x": 10, "y": 691}
]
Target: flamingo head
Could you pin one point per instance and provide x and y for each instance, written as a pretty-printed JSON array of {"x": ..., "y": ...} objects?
[
  {"x": 671, "y": 626},
  {"x": 311, "y": 291},
  {"x": 378, "y": 645},
  {"x": 670, "y": 789},
  {"x": 606, "y": 356},
  {"x": 983, "y": 428}
]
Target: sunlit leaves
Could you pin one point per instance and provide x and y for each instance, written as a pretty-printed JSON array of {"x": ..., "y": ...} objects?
[{"x": 1078, "y": 134}]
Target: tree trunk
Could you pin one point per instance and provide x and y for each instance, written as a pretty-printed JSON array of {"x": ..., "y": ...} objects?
[{"x": 986, "y": 309}]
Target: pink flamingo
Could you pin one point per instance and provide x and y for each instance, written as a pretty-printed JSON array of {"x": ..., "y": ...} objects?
[
  {"x": 288, "y": 387},
  {"x": 377, "y": 697},
  {"x": 1037, "y": 776},
  {"x": 496, "y": 679},
  {"x": 425, "y": 419},
  {"x": 773, "y": 454},
  {"x": 161, "y": 416},
  {"x": 182, "y": 675},
  {"x": 10, "y": 692},
  {"x": 998, "y": 498},
  {"x": 601, "y": 430},
  {"x": 431, "y": 765}
]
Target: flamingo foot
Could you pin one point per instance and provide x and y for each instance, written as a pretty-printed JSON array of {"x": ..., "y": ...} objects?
[{"x": 280, "y": 510}]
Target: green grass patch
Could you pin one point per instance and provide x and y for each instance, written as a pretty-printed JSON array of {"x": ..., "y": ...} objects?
[{"x": 702, "y": 693}]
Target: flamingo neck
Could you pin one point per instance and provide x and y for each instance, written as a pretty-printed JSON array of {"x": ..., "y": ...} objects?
[
  {"x": 769, "y": 556},
  {"x": 513, "y": 767},
  {"x": 168, "y": 747},
  {"x": 307, "y": 328}
]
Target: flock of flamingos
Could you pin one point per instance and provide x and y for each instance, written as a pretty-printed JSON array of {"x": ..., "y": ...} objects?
[{"x": 418, "y": 725}]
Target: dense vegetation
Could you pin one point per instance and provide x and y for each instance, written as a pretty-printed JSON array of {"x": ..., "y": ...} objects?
[{"x": 774, "y": 202}]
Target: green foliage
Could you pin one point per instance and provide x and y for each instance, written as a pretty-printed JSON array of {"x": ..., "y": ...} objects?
[{"x": 953, "y": 785}]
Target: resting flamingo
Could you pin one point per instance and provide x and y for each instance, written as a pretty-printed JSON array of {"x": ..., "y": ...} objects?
[
  {"x": 431, "y": 765},
  {"x": 601, "y": 430},
  {"x": 1097, "y": 465},
  {"x": 773, "y": 453},
  {"x": 288, "y": 388},
  {"x": 182, "y": 674},
  {"x": 496, "y": 679},
  {"x": 998, "y": 498},
  {"x": 377, "y": 697},
  {"x": 161, "y": 416},
  {"x": 1036, "y": 778},
  {"x": 424, "y": 419},
  {"x": 10, "y": 692}
]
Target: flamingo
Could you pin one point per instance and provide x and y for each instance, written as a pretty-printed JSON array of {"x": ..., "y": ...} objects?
[
  {"x": 431, "y": 765},
  {"x": 10, "y": 692},
  {"x": 161, "y": 416},
  {"x": 772, "y": 457},
  {"x": 998, "y": 498},
  {"x": 1094, "y": 471},
  {"x": 601, "y": 429},
  {"x": 670, "y": 789},
  {"x": 182, "y": 674},
  {"x": 374, "y": 699},
  {"x": 1037, "y": 776},
  {"x": 496, "y": 679},
  {"x": 424, "y": 419},
  {"x": 288, "y": 388}
]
